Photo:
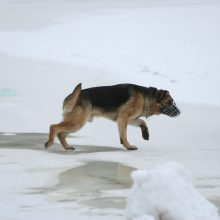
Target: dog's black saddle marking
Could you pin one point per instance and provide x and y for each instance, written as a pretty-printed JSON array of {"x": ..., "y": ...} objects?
[{"x": 107, "y": 98}]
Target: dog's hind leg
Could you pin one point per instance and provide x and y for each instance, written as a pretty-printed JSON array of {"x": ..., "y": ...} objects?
[
  {"x": 62, "y": 139},
  {"x": 55, "y": 129},
  {"x": 141, "y": 123},
  {"x": 122, "y": 128},
  {"x": 70, "y": 125},
  {"x": 61, "y": 130}
]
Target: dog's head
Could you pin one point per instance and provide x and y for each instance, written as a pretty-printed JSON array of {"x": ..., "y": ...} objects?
[{"x": 166, "y": 104}]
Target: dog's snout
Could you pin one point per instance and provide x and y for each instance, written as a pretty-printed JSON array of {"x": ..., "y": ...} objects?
[{"x": 171, "y": 111}]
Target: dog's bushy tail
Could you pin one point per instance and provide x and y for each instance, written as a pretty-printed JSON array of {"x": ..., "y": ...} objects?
[{"x": 70, "y": 101}]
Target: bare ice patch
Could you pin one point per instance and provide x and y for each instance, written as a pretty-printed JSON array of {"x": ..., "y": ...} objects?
[
  {"x": 87, "y": 183},
  {"x": 35, "y": 141},
  {"x": 99, "y": 185}
]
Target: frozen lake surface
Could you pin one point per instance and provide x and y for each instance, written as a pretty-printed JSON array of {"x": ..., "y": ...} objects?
[{"x": 93, "y": 181}]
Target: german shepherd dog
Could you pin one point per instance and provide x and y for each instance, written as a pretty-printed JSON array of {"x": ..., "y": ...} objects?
[{"x": 123, "y": 103}]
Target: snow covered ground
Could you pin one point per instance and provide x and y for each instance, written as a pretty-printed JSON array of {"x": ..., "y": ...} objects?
[
  {"x": 47, "y": 47},
  {"x": 167, "y": 192}
]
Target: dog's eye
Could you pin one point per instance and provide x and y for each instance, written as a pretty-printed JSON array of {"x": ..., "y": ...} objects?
[
  {"x": 167, "y": 103},
  {"x": 170, "y": 102}
]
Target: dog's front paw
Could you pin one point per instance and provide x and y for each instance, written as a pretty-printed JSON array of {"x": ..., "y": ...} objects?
[
  {"x": 145, "y": 133},
  {"x": 48, "y": 144},
  {"x": 145, "y": 136}
]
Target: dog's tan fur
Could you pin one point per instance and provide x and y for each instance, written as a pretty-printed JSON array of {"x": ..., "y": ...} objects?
[{"x": 77, "y": 112}]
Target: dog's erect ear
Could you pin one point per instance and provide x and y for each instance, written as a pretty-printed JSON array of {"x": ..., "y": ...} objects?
[
  {"x": 161, "y": 94},
  {"x": 78, "y": 87}
]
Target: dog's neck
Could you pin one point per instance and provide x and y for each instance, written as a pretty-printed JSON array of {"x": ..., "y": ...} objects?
[{"x": 147, "y": 107}]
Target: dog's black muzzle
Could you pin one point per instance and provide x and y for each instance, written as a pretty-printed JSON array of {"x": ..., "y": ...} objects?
[{"x": 171, "y": 110}]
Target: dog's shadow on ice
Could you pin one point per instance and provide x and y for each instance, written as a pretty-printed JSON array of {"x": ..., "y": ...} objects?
[
  {"x": 35, "y": 141},
  {"x": 81, "y": 149}
]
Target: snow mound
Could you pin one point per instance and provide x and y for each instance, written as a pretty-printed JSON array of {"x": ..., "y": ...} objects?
[{"x": 167, "y": 193}]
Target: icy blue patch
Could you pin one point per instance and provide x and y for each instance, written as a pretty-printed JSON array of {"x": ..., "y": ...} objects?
[{"x": 7, "y": 92}]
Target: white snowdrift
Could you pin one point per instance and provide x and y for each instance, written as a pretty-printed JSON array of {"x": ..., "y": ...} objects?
[{"x": 167, "y": 193}]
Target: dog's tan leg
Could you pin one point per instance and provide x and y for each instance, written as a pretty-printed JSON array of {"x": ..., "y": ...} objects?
[
  {"x": 141, "y": 123},
  {"x": 55, "y": 129},
  {"x": 122, "y": 128},
  {"x": 62, "y": 136},
  {"x": 73, "y": 123},
  {"x": 61, "y": 128}
]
